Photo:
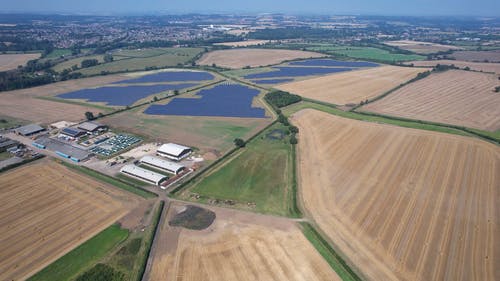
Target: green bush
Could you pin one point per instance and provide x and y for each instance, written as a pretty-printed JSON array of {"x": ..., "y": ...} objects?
[{"x": 281, "y": 99}]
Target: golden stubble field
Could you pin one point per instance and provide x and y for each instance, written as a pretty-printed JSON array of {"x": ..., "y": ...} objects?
[
  {"x": 26, "y": 104},
  {"x": 46, "y": 210},
  {"x": 421, "y": 47},
  {"x": 12, "y": 61},
  {"x": 239, "y": 58},
  {"x": 478, "y": 66},
  {"x": 402, "y": 204},
  {"x": 455, "y": 97},
  {"x": 238, "y": 246},
  {"x": 352, "y": 86}
]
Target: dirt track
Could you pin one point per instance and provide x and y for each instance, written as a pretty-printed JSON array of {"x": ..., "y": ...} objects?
[
  {"x": 455, "y": 97},
  {"x": 239, "y": 58},
  {"x": 352, "y": 86},
  {"x": 402, "y": 204},
  {"x": 47, "y": 210},
  {"x": 238, "y": 246}
]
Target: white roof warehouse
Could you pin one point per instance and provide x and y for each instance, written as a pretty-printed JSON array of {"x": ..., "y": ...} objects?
[
  {"x": 162, "y": 164},
  {"x": 174, "y": 151},
  {"x": 143, "y": 174}
]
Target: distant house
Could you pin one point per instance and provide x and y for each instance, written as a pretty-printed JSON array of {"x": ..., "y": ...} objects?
[
  {"x": 6, "y": 143},
  {"x": 72, "y": 133},
  {"x": 92, "y": 127},
  {"x": 29, "y": 130},
  {"x": 174, "y": 151}
]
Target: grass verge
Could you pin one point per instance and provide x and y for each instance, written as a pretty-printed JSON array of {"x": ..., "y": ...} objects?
[
  {"x": 110, "y": 180},
  {"x": 70, "y": 265},
  {"x": 323, "y": 247}
]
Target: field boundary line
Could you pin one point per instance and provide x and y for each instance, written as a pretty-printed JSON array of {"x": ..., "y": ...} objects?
[
  {"x": 159, "y": 217},
  {"x": 26, "y": 161}
]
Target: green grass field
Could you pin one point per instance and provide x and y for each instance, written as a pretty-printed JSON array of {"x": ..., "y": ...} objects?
[
  {"x": 168, "y": 57},
  {"x": 365, "y": 53},
  {"x": 57, "y": 53},
  {"x": 78, "y": 61},
  {"x": 8, "y": 122},
  {"x": 73, "y": 263},
  {"x": 260, "y": 174}
]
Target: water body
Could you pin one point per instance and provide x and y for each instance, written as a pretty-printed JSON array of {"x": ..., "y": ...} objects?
[{"x": 221, "y": 100}]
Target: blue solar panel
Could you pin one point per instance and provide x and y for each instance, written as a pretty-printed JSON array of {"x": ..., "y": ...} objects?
[
  {"x": 289, "y": 71},
  {"x": 170, "y": 76}
]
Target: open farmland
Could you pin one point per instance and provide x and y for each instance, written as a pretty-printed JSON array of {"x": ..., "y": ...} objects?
[
  {"x": 401, "y": 204},
  {"x": 454, "y": 97},
  {"x": 477, "y": 66},
  {"x": 32, "y": 104},
  {"x": 239, "y": 58},
  {"x": 237, "y": 246},
  {"x": 46, "y": 210},
  {"x": 352, "y": 86},
  {"x": 364, "y": 53},
  {"x": 12, "y": 61},
  {"x": 478, "y": 56},
  {"x": 206, "y": 133},
  {"x": 170, "y": 57},
  {"x": 243, "y": 43},
  {"x": 421, "y": 47},
  {"x": 260, "y": 176}
]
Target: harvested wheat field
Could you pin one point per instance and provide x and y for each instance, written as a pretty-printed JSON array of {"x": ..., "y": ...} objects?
[
  {"x": 402, "y": 204},
  {"x": 239, "y": 58},
  {"x": 28, "y": 104},
  {"x": 421, "y": 47},
  {"x": 477, "y": 66},
  {"x": 12, "y": 61},
  {"x": 454, "y": 97},
  {"x": 243, "y": 43},
  {"x": 479, "y": 56},
  {"x": 352, "y": 86},
  {"x": 46, "y": 210},
  {"x": 238, "y": 246}
]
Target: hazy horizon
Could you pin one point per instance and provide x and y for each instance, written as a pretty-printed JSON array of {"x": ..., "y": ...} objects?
[{"x": 354, "y": 7}]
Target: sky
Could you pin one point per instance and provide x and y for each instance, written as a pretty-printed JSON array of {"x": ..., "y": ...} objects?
[{"x": 364, "y": 7}]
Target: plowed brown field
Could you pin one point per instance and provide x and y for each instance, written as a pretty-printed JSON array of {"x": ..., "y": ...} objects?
[
  {"x": 455, "y": 97},
  {"x": 240, "y": 247},
  {"x": 12, "y": 61},
  {"x": 47, "y": 210},
  {"x": 239, "y": 58},
  {"x": 352, "y": 86},
  {"x": 402, "y": 204}
]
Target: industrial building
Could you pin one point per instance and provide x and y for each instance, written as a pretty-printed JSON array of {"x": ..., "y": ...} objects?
[
  {"x": 143, "y": 174},
  {"x": 62, "y": 149},
  {"x": 72, "y": 133},
  {"x": 6, "y": 143},
  {"x": 29, "y": 130},
  {"x": 174, "y": 151},
  {"x": 165, "y": 165},
  {"x": 92, "y": 127}
]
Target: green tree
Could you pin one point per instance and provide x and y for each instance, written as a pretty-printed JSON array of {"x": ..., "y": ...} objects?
[
  {"x": 89, "y": 62},
  {"x": 293, "y": 140},
  {"x": 108, "y": 58},
  {"x": 176, "y": 92},
  {"x": 293, "y": 129},
  {"x": 89, "y": 115},
  {"x": 239, "y": 142}
]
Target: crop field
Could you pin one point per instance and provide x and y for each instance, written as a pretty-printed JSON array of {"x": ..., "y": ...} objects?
[
  {"x": 477, "y": 66},
  {"x": 205, "y": 133},
  {"x": 477, "y": 56},
  {"x": 47, "y": 210},
  {"x": 455, "y": 97},
  {"x": 352, "y": 86},
  {"x": 238, "y": 246},
  {"x": 167, "y": 58},
  {"x": 421, "y": 47},
  {"x": 170, "y": 76},
  {"x": 226, "y": 100},
  {"x": 122, "y": 96},
  {"x": 36, "y": 104},
  {"x": 245, "y": 43},
  {"x": 260, "y": 175},
  {"x": 12, "y": 61},
  {"x": 239, "y": 58},
  {"x": 401, "y": 204},
  {"x": 365, "y": 53}
]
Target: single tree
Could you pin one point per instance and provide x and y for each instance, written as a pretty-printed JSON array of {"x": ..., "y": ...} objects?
[
  {"x": 89, "y": 115},
  {"x": 108, "y": 58},
  {"x": 293, "y": 140},
  {"x": 239, "y": 142}
]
